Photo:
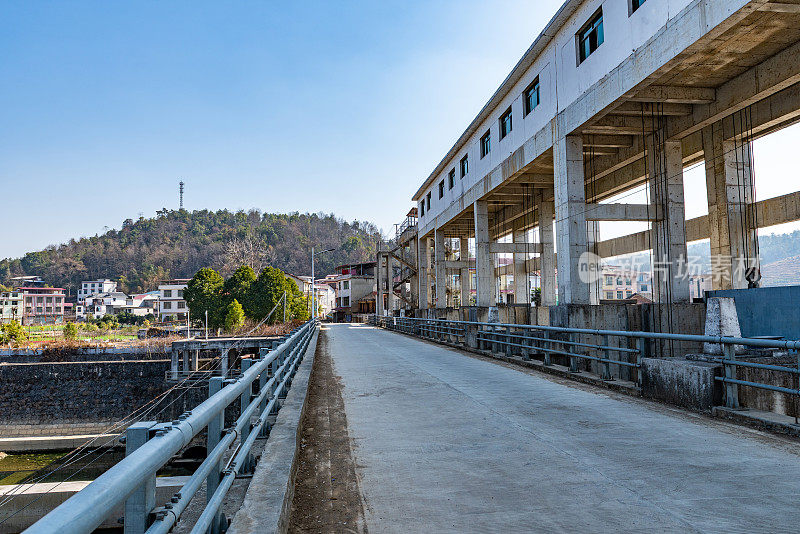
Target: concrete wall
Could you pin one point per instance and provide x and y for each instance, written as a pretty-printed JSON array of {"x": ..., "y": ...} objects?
[
  {"x": 74, "y": 392},
  {"x": 766, "y": 311}
]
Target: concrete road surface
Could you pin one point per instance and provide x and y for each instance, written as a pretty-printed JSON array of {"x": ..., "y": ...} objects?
[{"x": 447, "y": 442}]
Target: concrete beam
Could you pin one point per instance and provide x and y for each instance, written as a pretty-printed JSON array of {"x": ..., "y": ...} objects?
[
  {"x": 780, "y": 8},
  {"x": 674, "y": 94},
  {"x": 634, "y": 109},
  {"x": 515, "y": 248},
  {"x": 620, "y": 212},
  {"x": 459, "y": 264},
  {"x": 770, "y": 212},
  {"x": 607, "y": 141}
]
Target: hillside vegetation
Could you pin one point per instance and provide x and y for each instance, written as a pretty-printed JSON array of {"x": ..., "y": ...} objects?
[{"x": 178, "y": 243}]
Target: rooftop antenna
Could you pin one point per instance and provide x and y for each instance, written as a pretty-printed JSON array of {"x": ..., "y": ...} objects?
[{"x": 181, "y": 189}]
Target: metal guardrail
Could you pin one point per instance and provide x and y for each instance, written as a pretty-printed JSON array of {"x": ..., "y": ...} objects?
[
  {"x": 552, "y": 340},
  {"x": 150, "y": 445}
]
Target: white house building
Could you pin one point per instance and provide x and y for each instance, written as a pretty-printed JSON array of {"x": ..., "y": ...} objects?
[
  {"x": 93, "y": 287},
  {"x": 171, "y": 304}
]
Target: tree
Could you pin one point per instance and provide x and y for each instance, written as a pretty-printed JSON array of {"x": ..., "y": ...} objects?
[
  {"x": 12, "y": 333},
  {"x": 234, "y": 318},
  {"x": 204, "y": 293},
  {"x": 237, "y": 287},
  {"x": 70, "y": 331},
  {"x": 266, "y": 292}
]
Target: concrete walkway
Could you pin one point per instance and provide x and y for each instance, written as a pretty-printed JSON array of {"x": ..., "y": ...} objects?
[{"x": 445, "y": 442}]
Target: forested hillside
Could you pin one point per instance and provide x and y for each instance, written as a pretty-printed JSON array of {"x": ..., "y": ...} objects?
[{"x": 176, "y": 244}]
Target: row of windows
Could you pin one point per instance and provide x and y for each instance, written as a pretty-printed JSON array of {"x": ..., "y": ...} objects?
[{"x": 588, "y": 39}]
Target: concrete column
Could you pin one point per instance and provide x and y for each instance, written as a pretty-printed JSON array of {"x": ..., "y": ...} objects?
[
  {"x": 570, "y": 207},
  {"x": 522, "y": 292},
  {"x": 423, "y": 253},
  {"x": 440, "y": 273},
  {"x": 729, "y": 185},
  {"x": 670, "y": 279},
  {"x": 414, "y": 280},
  {"x": 484, "y": 264},
  {"x": 592, "y": 237},
  {"x": 547, "y": 259},
  {"x": 379, "y": 272},
  {"x": 464, "y": 276},
  {"x": 390, "y": 284}
]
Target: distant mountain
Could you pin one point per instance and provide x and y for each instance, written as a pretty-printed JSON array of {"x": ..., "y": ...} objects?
[
  {"x": 175, "y": 244},
  {"x": 785, "y": 272}
]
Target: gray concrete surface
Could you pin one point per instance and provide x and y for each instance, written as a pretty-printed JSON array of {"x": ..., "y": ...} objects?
[{"x": 448, "y": 442}]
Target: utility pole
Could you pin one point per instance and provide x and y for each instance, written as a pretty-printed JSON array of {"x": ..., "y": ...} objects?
[
  {"x": 181, "y": 193},
  {"x": 284, "y": 307},
  {"x": 206, "y": 325}
]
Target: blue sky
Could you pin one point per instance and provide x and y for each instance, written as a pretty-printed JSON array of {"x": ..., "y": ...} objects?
[{"x": 341, "y": 107}]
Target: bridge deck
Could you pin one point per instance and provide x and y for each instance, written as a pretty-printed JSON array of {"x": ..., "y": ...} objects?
[{"x": 448, "y": 442}]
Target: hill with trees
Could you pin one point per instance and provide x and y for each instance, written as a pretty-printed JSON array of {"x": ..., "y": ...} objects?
[{"x": 178, "y": 243}]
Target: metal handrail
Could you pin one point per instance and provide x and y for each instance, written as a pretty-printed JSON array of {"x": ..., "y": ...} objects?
[{"x": 87, "y": 509}]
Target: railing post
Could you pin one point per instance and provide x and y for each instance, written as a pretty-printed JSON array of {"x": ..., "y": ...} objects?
[
  {"x": 223, "y": 366},
  {"x": 642, "y": 342},
  {"x": 547, "y": 345},
  {"x": 244, "y": 401},
  {"x": 509, "y": 347},
  {"x": 174, "y": 363},
  {"x": 607, "y": 355},
  {"x": 526, "y": 341},
  {"x": 573, "y": 361},
  {"x": 213, "y": 438},
  {"x": 142, "y": 501},
  {"x": 731, "y": 389}
]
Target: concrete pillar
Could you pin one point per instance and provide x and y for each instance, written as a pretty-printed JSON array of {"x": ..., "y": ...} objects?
[
  {"x": 440, "y": 273},
  {"x": 379, "y": 274},
  {"x": 464, "y": 276},
  {"x": 670, "y": 279},
  {"x": 522, "y": 292},
  {"x": 414, "y": 280},
  {"x": 390, "y": 305},
  {"x": 592, "y": 237},
  {"x": 484, "y": 264},
  {"x": 570, "y": 207},
  {"x": 423, "y": 253},
  {"x": 547, "y": 259},
  {"x": 729, "y": 185}
]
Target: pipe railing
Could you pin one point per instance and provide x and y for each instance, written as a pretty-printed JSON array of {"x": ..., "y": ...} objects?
[
  {"x": 132, "y": 480},
  {"x": 555, "y": 340}
]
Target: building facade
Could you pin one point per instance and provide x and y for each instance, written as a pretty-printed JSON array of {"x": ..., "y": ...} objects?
[
  {"x": 93, "y": 287},
  {"x": 171, "y": 304},
  {"x": 42, "y": 305},
  {"x": 11, "y": 306}
]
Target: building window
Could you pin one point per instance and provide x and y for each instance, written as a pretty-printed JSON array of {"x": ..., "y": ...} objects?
[
  {"x": 609, "y": 295},
  {"x": 428, "y": 201},
  {"x": 451, "y": 178},
  {"x": 628, "y": 294},
  {"x": 634, "y": 5},
  {"x": 619, "y": 295},
  {"x": 591, "y": 36},
  {"x": 505, "y": 124},
  {"x": 167, "y": 293},
  {"x": 422, "y": 208},
  {"x": 166, "y": 305},
  {"x": 441, "y": 189},
  {"x": 180, "y": 293},
  {"x": 486, "y": 144},
  {"x": 464, "y": 166},
  {"x": 609, "y": 280},
  {"x": 531, "y": 96},
  {"x": 181, "y": 305},
  {"x": 644, "y": 288}
]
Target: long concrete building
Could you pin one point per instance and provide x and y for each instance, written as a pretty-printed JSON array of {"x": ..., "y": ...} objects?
[{"x": 613, "y": 97}]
